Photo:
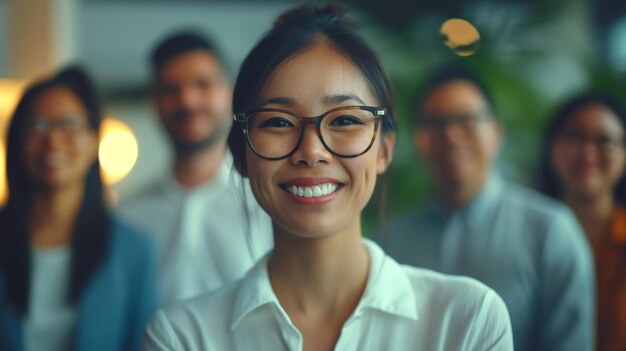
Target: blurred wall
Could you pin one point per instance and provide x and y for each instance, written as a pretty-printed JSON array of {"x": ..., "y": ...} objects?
[
  {"x": 3, "y": 39},
  {"x": 116, "y": 37},
  {"x": 617, "y": 45}
]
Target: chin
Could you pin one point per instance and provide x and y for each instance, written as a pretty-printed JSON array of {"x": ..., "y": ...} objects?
[
  {"x": 49, "y": 184},
  {"x": 589, "y": 192},
  {"x": 586, "y": 184},
  {"x": 452, "y": 177},
  {"x": 309, "y": 230},
  {"x": 57, "y": 179},
  {"x": 193, "y": 138},
  {"x": 48, "y": 179}
]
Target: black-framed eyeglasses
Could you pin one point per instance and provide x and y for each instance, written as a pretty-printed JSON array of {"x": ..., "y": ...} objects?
[
  {"x": 347, "y": 131},
  {"x": 69, "y": 125},
  {"x": 604, "y": 143},
  {"x": 467, "y": 121}
]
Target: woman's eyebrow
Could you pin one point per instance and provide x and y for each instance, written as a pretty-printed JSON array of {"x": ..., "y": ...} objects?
[
  {"x": 338, "y": 99},
  {"x": 328, "y": 100},
  {"x": 280, "y": 100}
]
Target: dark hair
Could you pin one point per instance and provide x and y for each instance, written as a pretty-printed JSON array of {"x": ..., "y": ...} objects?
[
  {"x": 546, "y": 178},
  {"x": 294, "y": 31},
  {"x": 178, "y": 44},
  {"x": 90, "y": 239},
  {"x": 446, "y": 74}
]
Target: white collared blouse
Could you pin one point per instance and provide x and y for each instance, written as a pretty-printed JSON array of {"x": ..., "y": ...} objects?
[{"x": 402, "y": 308}]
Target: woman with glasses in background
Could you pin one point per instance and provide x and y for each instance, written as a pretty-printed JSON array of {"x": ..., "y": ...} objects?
[
  {"x": 71, "y": 276},
  {"x": 314, "y": 127},
  {"x": 583, "y": 164}
]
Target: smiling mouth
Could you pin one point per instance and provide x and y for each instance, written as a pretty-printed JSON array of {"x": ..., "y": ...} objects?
[
  {"x": 53, "y": 160},
  {"x": 311, "y": 191}
]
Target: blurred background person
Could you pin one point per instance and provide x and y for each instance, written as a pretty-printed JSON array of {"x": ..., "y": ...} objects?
[
  {"x": 72, "y": 277},
  {"x": 583, "y": 164},
  {"x": 208, "y": 227},
  {"x": 524, "y": 245}
]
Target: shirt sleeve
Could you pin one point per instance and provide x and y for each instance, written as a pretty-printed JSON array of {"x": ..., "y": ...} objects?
[
  {"x": 567, "y": 297},
  {"x": 160, "y": 336}
]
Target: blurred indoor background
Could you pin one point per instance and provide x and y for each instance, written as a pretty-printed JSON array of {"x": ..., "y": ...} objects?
[{"x": 532, "y": 54}]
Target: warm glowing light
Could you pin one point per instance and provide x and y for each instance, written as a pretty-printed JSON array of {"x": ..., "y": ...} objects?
[
  {"x": 460, "y": 36},
  {"x": 118, "y": 150},
  {"x": 10, "y": 93}
]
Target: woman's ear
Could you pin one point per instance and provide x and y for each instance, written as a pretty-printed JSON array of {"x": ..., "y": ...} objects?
[{"x": 385, "y": 154}]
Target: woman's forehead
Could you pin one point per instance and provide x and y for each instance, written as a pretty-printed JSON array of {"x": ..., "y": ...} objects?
[
  {"x": 315, "y": 74},
  {"x": 595, "y": 116},
  {"x": 57, "y": 100}
]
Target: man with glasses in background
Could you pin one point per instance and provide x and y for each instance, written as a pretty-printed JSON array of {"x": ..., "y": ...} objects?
[
  {"x": 528, "y": 248},
  {"x": 208, "y": 227}
]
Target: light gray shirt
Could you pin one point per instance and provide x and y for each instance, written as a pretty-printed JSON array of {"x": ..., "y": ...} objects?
[
  {"x": 206, "y": 236},
  {"x": 527, "y": 247}
]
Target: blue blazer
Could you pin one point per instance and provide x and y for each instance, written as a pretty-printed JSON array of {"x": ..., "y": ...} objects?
[{"x": 115, "y": 306}]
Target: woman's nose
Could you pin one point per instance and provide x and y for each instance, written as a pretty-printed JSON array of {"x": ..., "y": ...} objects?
[{"x": 311, "y": 151}]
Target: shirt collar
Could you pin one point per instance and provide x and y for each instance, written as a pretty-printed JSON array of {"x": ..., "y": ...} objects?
[
  {"x": 474, "y": 211},
  {"x": 480, "y": 207},
  {"x": 388, "y": 289},
  {"x": 255, "y": 291}
]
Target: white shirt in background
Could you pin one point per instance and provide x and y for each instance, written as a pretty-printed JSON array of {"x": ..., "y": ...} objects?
[
  {"x": 204, "y": 236},
  {"x": 51, "y": 321},
  {"x": 402, "y": 308}
]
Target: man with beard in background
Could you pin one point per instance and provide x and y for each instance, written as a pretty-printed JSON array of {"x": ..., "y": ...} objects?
[{"x": 208, "y": 228}]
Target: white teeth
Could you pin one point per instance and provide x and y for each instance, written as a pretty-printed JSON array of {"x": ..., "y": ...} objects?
[
  {"x": 313, "y": 191},
  {"x": 317, "y": 191},
  {"x": 324, "y": 189}
]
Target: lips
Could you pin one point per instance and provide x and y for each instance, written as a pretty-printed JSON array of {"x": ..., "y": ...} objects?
[
  {"x": 54, "y": 160},
  {"x": 584, "y": 169}
]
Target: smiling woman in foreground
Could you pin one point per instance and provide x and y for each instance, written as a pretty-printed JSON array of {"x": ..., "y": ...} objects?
[{"x": 323, "y": 286}]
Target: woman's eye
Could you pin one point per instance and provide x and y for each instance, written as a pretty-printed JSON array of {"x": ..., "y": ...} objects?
[
  {"x": 346, "y": 120},
  {"x": 40, "y": 125},
  {"x": 71, "y": 123},
  {"x": 276, "y": 122}
]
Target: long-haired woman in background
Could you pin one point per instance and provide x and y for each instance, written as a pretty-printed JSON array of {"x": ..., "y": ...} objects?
[
  {"x": 583, "y": 164},
  {"x": 71, "y": 276}
]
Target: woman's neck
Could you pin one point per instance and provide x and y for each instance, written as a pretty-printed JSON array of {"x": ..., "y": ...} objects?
[
  {"x": 594, "y": 214},
  {"x": 54, "y": 214},
  {"x": 319, "y": 280}
]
